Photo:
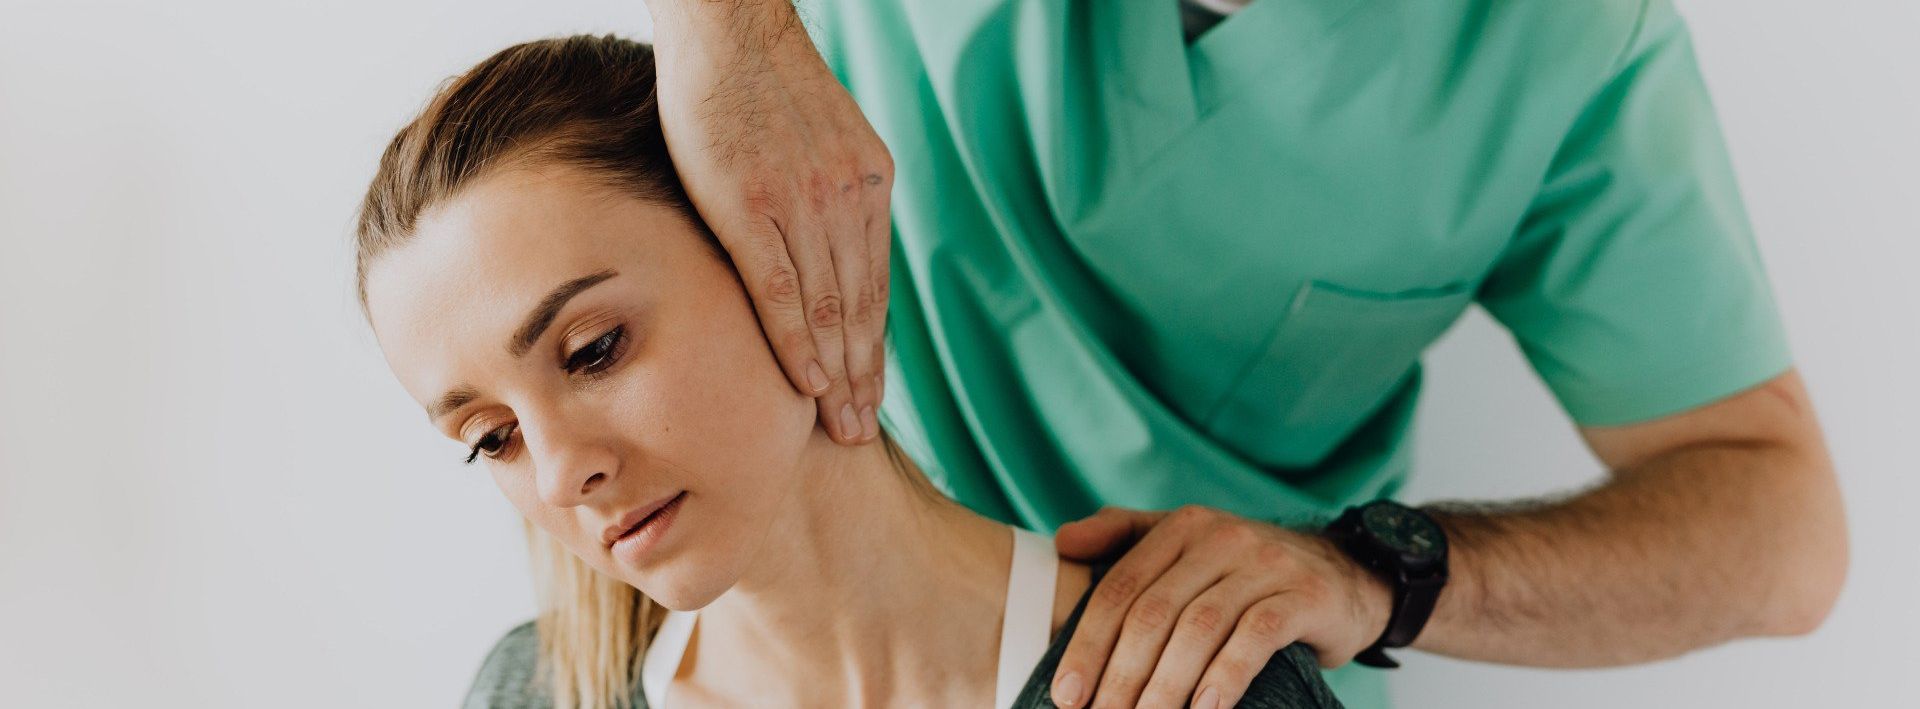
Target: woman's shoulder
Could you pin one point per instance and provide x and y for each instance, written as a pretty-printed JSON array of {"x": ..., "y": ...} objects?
[
  {"x": 1291, "y": 679},
  {"x": 506, "y": 678}
]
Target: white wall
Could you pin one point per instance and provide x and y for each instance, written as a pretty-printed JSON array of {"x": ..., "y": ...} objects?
[
  {"x": 1821, "y": 105},
  {"x": 212, "y": 494}
]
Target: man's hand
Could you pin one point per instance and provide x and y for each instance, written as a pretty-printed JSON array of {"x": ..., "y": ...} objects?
[
  {"x": 787, "y": 172},
  {"x": 1720, "y": 522},
  {"x": 1200, "y": 604}
]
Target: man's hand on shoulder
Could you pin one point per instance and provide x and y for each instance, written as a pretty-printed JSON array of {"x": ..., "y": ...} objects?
[{"x": 1202, "y": 601}]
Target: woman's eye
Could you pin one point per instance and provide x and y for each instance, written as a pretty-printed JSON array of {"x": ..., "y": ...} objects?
[
  {"x": 591, "y": 358},
  {"x": 598, "y": 354},
  {"x": 492, "y": 443}
]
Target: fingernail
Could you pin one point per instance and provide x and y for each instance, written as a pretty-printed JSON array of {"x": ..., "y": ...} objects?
[
  {"x": 817, "y": 377},
  {"x": 849, "y": 423},
  {"x": 1066, "y": 692},
  {"x": 869, "y": 426},
  {"x": 1209, "y": 699}
]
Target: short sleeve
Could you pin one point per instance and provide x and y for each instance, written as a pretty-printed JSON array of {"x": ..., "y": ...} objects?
[
  {"x": 506, "y": 677},
  {"x": 1633, "y": 284}
]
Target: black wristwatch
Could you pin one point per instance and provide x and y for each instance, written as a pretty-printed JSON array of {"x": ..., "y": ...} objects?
[{"x": 1408, "y": 549}]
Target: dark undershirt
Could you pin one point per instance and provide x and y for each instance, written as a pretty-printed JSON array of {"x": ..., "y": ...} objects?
[
  {"x": 1291, "y": 680},
  {"x": 1195, "y": 20}
]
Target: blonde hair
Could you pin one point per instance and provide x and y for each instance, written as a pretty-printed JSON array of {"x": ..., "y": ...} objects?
[
  {"x": 586, "y": 101},
  {"x": 593, "y": 629},
  {"x": 583, "y": 100}
]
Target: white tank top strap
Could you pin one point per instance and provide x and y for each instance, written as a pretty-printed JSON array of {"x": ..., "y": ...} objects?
[
  {"x": 1026, "y": 628},
  {"x": 662, "y": 662}
]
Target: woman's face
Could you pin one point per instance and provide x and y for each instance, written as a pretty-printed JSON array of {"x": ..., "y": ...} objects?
[{"x": 607, "y": 361}]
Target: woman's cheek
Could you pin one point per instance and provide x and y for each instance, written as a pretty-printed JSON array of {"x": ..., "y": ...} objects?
[{"x": 520, "y": 492}]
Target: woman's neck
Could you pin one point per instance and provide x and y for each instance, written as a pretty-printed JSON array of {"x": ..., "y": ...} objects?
[{"x": 871, "y": 591}]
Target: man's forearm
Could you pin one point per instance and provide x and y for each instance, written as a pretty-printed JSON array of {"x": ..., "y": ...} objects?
[
  {"x": 734, "y": 23},
  {"x": 1690, "y": 549},
  {"x": 731, "y": 63}
]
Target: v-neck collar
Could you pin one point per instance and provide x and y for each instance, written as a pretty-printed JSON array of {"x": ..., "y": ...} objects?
[{"x": 1158, "y": 70}]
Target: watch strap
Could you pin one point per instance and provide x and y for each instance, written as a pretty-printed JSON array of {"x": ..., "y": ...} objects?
[
  {"x": 1411, "y": 609},
  {"x": 1414, "y": 594}
]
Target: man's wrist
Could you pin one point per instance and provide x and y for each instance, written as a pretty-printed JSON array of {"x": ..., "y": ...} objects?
[
  {"x": 1375, "y": 594},
  {"x": 1458, "y": 597},
  {"x": 732, "y": 23},
  {"x": 1402, "y": 550}
]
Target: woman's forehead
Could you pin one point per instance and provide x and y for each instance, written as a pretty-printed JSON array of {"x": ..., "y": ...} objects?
[
  {"x": 455, "y": 292},
  {"x": 473, "y": 260}
]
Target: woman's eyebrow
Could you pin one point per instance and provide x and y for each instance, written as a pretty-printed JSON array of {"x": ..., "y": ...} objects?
[
  {"x": 542, "y": 315},
  {"x": 450, "y": 401},
  {"x": 531, "y": 328}
]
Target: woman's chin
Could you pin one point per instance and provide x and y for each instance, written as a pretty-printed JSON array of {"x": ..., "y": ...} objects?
[
  {"x": 679, "y": 594},
  {"x": 688, "y": 578}
]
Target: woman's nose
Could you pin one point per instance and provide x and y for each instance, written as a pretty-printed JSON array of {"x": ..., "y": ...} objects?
[{"x": 570, "y": 461}]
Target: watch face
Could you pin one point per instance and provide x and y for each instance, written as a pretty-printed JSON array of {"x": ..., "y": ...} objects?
[{"x": 1404, "y": 531}]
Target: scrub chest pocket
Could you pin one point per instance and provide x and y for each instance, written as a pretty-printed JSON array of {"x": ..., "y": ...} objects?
[{"x": 1329, "y": 364}]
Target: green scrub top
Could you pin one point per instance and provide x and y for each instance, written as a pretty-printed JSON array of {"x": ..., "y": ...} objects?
[{"x": 1134, "y": 271}]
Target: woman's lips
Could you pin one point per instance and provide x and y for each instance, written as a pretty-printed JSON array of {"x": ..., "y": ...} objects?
[
  {"x": 644, "y": 536},
  {"x": 633, "y": 518}
]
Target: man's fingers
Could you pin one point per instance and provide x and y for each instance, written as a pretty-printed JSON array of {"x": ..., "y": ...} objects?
[
  {"x": 1101, "y": 621},
  {"x": 824, "y": 313},
  {"x": 1148, "y": 625},
  {"x": 880, "y": 378},
  {"x": 770, "y": 277},
  {"x": 1107, "y": 532},
  {"x": 1198, "y": 635},
  {"x": 862, "y": 326},
  {"x": 879, "y": 265},
  {"x": 1272, "y": 623}
]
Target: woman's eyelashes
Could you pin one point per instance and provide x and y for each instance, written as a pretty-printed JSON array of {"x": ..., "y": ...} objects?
[
  {"x": 493, "y": 443},
  {"x": 596, "y": 356},
  {"x": 591, "y": 359}
]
